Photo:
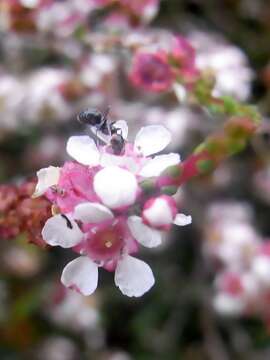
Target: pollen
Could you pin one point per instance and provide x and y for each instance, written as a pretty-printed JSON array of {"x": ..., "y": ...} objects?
[
  {"x": 55, "y": 210},
  {"x": 108, "y": 244},
  {"x": 109, "y": 239}
]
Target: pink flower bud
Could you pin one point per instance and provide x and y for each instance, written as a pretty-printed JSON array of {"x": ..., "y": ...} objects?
[
  {"x": 160, "y": 212},
  {"x": 183, "y": 52}
]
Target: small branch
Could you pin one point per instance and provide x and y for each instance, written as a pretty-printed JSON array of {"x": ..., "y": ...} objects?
[{"x": 233, "y": 138}]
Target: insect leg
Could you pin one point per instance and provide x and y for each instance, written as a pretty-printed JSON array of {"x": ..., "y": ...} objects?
[{"x": 69, "y": 225}]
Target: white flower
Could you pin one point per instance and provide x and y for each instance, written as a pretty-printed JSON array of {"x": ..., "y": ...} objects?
[
  {"x": 233, "y": 74},
  {"x": 63, "y": 231},
  {"x": 133, "y": 276},
  {"x": 149, "y": 140},
  {"x": 46, "y": 102},
  {"x": 108, "y": 234},
  {"x": 96, "y": 68},
  {"x": 235, "y": 243}
]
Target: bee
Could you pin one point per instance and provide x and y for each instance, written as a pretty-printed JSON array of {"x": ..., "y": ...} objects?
[
  {"x": 96, "y": 119},
  {"x": 103, "y": 129},
  {"x": 117, "y": 143}
]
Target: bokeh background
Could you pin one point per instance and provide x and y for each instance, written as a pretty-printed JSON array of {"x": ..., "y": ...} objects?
[{"x": 70, "y": 58}]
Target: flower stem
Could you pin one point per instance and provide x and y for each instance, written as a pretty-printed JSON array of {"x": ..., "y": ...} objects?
[{"x": 233, "y": 138}]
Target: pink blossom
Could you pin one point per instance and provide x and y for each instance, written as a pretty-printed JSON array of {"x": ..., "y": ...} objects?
[
  {"x": 151, "y": 72},
  {"x": 156, "y": 71},
  {"x": 74, "y": 187},
  {"x": 160, "y": 212},
  {"x": 183, "y": 52},
  {"x": 105, "y": 241},
  {"x": 182, "y": 58},
  {"x": 144, "y": 9},
  {"x": 242, "y": 283},
  {"x": 97, "y": 200}
]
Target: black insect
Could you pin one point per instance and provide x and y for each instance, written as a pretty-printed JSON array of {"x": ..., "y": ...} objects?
[
  {"x": 95, "y": 118},
  {"x": 69, "y": 225},
  {"x": 117, "y": 143},
  {"x": 99, "y": 121}
]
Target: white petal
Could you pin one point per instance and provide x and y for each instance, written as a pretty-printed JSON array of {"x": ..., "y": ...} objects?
[
  {"x": 152, "y": 139},
  {"x": 116, "y": 187},
  {"x": 81, "y": 274},
  {"x": 182, "y": 220},
  {"x": 92, "y": 212},
  {"x": 46, "y": 177},
  {"x": 57, "y": 231},
  {"x": 122, "y": 125},
  {"x": 100, "y": 135},
  {"x": 155, "y": 166},
  {"x": 131, "y": 164},
  {"x": 180, "y": 92},
  {"x": 83, "y": 149},
  {"x": 107, "y": 159},
  {"x": 144, "y": 234},
  {"x": 126, "y": 162},
  {"x": 133, "y": 276}
]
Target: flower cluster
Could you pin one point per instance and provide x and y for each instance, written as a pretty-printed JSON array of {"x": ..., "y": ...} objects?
[
  {"x": 63, "y": 19},
  {"x": 243, "y": 280},
  {"x": 23, "y": 100},
  {"x": 21, "y": 214},
  {"x": 101, "y": 211},
  {"x": 134, "y": 10},
  {"x": 228, "y": 63},
  {"x": 246, "y": 291}
]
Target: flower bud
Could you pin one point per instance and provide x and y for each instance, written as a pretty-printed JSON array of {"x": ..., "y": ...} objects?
[{"x": 160, "y": 212}]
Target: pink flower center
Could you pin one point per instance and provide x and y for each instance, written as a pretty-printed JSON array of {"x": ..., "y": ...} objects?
[
  {"x": 106, "y": 241},
  {"x": 154, "y": 70}
]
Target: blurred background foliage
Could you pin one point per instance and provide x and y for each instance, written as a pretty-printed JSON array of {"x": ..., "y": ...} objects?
[{"x": 175, "y": 320}]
